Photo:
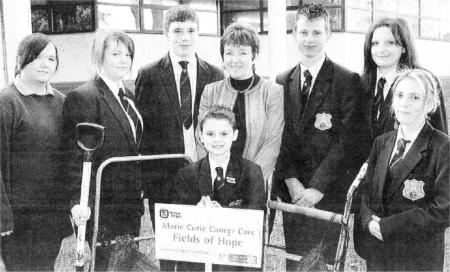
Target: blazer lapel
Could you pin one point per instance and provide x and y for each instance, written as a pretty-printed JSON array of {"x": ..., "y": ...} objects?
[
  {"x": 411, "y": 159},
  {"x": 203, "y": 77},
  {"x": 116, "y": 110},
  {"x": 294, "y": 94},
  {"x": 204, "y": 178},
  {"x": 321, "y": 86},
  {"x": 168, "y": 77},
  {"x": 383, "y": 167}
]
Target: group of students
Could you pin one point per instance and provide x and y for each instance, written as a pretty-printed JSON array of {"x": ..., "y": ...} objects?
[{"x": 309, "y": 132}]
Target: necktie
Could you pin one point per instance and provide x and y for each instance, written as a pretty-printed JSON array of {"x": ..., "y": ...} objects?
[
  {"x": 132, "y": 113},
  {"x": 393, "y": 165},
  {"x": 401, "y": 145},
  {"x": 186, "y": 96},
  {"x": 378, "y": 100},
  {"x": 218, "y": 184},
  {"x": 305, "y": 89}
]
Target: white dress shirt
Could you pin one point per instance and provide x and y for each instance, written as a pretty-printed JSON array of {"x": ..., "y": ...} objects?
[{"x": 313, "y": 70}]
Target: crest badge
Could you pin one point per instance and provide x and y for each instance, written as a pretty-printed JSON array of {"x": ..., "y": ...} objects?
[
  {"x": 231, "y": 180},
  {"x": 413, "y": 189},
  {"x": 323, "y": 121}
]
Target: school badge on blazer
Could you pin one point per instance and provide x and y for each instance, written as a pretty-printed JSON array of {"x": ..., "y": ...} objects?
[
  {"x": 413, "y": 189},
  {"x": 323, "y": 121}
]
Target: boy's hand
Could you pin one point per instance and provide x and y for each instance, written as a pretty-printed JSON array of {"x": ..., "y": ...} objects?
[
  {"x": 80, "y": 215},
  {"x": 207, "y": 202},
  {"x": 374, "y": 227},
  {"x": 310, "y": 198},
  {"x": 296, "y": 189}
]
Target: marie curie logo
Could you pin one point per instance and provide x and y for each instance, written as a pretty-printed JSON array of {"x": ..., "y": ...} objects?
[{"x": 164, "y": 213}]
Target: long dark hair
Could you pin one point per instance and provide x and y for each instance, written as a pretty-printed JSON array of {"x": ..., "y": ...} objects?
[
  {"x": 403, "y": 37},
  {"x": 29, "y": 49}
]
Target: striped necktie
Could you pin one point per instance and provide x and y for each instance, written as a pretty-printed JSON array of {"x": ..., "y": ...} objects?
[{"x": 186, "y": 96}]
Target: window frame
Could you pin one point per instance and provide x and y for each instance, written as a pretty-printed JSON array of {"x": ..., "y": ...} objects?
[
  {"x": 419, "y": 17},
  {"x": 140, "y": 6}
]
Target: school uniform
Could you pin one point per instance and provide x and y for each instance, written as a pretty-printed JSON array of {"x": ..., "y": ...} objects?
[
  {"x": 243, "y": 189},
  {"x": 317, "y": 148},
  {"x": 414, "y": 208},
  {"x": 385, "y": 121},
  {"x": 121, "y": 203},
  {"x": 158, "y": 100}
]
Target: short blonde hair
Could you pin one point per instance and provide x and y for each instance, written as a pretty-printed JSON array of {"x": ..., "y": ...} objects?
[
  {"x": 100, "y": 42},
  {"x": 426, "y": 80}
]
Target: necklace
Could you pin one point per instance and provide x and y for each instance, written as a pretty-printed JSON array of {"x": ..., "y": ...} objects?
[{"x": 249, "y": 86}]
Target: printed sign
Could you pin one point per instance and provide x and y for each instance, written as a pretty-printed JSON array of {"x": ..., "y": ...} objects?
[{"x": 209, "y": 235}]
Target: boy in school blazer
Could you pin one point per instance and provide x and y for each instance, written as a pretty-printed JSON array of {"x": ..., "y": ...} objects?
[
  {"x": 158, "y": 97},
  {"x": 405, "y": 203},
  {"x": 316, "y": 148},
  {"x": 242, "y": 185}
]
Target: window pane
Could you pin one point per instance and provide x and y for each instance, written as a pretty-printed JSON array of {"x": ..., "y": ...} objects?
[
  {"x": 445, "y": 30},
  {"x": 240, "y": 5},
  {"x": 380, "y": 14},
  {"x": 324, "y": 2},
  {"x": 154, "y": 19},
  {"x": 72, "y": 18},
  {"x": 409, "y": 7},
  {"x": 127, "y": 2},
  {"x": 428, "y": 10},
  {"x": 335, "y": 18},
  {"x": 290, "y": 3},
  {"x": 413, "y": 23},
  {"x": 251, "y": 17},
  {"x": 169, "y": 3},
  {"x": 358, "y": 20},
  {"x": 429, "y": 28},
  {"x": 125, "y": 18},
  {"x": 387, "y": 5},
  {"x": 202, "y": 4},
  {"x": 361, "y": 4},
  {"x": 208, "y": 22},
  {"x": 39, "y": 20},
  {"x": 290, "y": 19},
  {"x": 445, "y": 11}
]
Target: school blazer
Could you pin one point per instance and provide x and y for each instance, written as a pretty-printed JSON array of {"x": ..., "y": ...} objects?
[
  {"x": 121, "y": 183},
  {"x": 194, "y": 181},
  {"x": 412, "y": 224},
  {"x": 158, "y": 103},
  {"x": 387, "y": 121},
  {"x": 317, "y": 148}
]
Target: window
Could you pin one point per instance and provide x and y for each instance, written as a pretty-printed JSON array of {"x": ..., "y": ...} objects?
[
  {"x": 255, "y": 13},
  {"x": 66, "y": 16},
  {"x": 148, "y": 15},
  {"x": 427, "y": 18},
  {"x": 62, "y": 16}
]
